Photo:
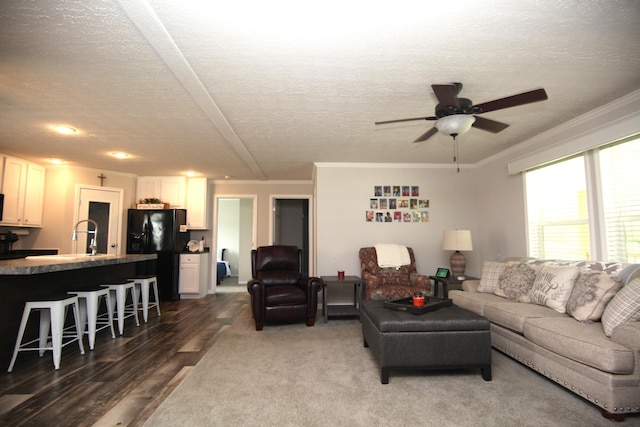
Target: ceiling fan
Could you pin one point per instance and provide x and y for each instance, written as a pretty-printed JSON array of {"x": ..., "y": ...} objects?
[{"x": 455, "y": 116}]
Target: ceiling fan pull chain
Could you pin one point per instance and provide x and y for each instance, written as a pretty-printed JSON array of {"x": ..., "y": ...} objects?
[{"x": 455, "y": 154}]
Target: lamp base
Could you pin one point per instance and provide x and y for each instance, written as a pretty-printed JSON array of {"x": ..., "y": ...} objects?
[{"x": 458, "y": 264}]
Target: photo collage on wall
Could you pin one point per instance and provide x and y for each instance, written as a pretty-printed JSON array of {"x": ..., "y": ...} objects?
[{"x": 397, "y": 203}]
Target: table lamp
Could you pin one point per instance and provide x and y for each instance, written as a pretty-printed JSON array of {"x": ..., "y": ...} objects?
[{"x": 457, "y": 240}]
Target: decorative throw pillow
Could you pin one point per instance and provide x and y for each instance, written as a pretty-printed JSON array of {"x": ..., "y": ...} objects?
[
  {"x": 491, "y": 272},
  {"x": 624, "y": 307},
  {"x": 515, "y": 281},
  {"x": 553, "y": 286},
  {"x": 590, "y": 295}
]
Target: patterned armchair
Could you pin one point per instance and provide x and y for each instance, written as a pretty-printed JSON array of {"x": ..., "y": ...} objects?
[{"x": 389, "y": 283}]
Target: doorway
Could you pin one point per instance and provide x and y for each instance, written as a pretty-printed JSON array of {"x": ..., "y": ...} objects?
[
  {"x": 102, "y": 205},
  {"x": 291, "y": 224},
  {"x": 235, "y": 221}
]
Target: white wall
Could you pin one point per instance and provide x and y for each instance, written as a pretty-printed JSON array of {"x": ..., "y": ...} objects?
[
  {"x": 59, "y": 205},
  {"x": 343, "y": 192},
  {"x": 500, "y": 205},
  {"x": 246, "y": 241}
]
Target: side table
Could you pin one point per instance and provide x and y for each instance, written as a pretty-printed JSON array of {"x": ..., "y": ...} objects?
[
  {"x": 446, "y": 281},
  {"x": 341, "y": 310}
]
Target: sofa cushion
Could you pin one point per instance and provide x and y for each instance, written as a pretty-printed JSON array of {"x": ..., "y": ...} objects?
[
  {"x": 624, "y": 307},
  {"x": 473, "y": 301},
  {"x": 591, "y": 294},
  {"x": 513, "y": 315},
  {"x": 553, "y": 286},
  {"x": 516, "y": 281},
  {"x": 582, "y": 342},
  {"x": 491, "y": 272}
]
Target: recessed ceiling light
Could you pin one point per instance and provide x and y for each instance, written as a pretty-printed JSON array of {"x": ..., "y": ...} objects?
[
  {"x": 56, "y": 161},
  {"x": 64, "y": 129},
  {"x": 191, "y": 173},
  {"x": 120, "y": 155}
]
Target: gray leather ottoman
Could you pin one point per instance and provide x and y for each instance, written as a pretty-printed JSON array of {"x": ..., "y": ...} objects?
[{"x": 450, "y": 337}]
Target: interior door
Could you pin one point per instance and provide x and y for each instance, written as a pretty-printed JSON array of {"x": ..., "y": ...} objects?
[
  {"x": 102, "y": 205},
  {"x": 291, "y": 226}
]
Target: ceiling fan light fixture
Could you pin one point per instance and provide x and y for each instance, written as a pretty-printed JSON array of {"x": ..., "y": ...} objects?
[{"x": 455, "y": 124}]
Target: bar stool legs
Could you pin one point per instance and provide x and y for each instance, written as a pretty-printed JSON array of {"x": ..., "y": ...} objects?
[
  {"x": 89, "y": 303},
  {"x": 52, "y": 317},
  {"x": 119, "y": 291},
  {"x": 143, "y": 285}
]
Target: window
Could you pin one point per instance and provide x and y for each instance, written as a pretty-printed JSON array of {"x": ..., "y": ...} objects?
[
  {"x": 557, "y": 211},
  {"x": 620, "y": 178},
  {"x": 558, "y": 200}
]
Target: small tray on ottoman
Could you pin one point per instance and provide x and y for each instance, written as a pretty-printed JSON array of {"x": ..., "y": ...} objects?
[{"x": 406, "y": 304}]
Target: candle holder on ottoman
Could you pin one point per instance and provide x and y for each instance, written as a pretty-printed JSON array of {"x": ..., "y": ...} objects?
[{"x": 450, "y": 337}]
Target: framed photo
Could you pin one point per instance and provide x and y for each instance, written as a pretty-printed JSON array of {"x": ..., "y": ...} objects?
[{"x": 443, "y": 273}]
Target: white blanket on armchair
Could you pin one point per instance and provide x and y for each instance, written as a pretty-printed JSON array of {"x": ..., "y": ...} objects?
[{"x": 392, "y": 255}]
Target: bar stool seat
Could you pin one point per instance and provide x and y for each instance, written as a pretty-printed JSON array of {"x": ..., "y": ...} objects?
[
  {"x": 88, "y": 306},
  {"x": 143, "y": 285},
  {"x": 119, "y": 297},
  {"x": 52, "y": 316}
]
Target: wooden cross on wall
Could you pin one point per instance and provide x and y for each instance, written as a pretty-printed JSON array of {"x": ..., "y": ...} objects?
[{"x": 102, "y": 178}]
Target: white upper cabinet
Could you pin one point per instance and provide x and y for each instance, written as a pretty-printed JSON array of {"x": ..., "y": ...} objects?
[
  {"x": 23, "y": 189},
  {"x": 197, "y": 204},
  {"x": 169, "y": 189},
  {"x": 34, "y": 195}
]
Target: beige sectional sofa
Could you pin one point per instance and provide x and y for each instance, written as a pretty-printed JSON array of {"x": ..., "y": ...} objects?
[{"x": 577, "y": 323}]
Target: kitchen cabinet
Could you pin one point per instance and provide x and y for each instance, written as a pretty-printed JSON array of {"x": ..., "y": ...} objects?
[
  {"x": 169, "y": 189},
  {"x": 34, "y": 195},
  {"x": 23, "y": 189},
  {"x": 197, "y": 204},
  {"x": 193, "y": 275}
]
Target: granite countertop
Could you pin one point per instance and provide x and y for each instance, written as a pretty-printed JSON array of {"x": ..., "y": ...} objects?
[{"x": 52, "y": 263}]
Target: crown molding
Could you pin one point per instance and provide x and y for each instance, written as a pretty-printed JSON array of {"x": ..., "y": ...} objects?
[{"x": 611, "y": 122}]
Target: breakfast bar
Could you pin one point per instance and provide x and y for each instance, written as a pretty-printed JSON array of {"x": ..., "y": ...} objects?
[{"x": 41, "y": 277}]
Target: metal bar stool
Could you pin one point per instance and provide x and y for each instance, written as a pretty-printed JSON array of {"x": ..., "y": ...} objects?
[
  {"x": 88, "y": 305},
  {"x": 52, "y": 317},
  {"x": 143, "y": 283},
  {"x": 119, "y": 297}
]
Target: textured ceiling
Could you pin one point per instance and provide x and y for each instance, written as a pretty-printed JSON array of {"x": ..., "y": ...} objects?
[{"x": 261, "y": 90}]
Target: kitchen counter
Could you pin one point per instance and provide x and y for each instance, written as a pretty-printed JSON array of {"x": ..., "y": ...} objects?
[
  {"x": 50, "y": 276},
  {"x": 52, "y": 263}
]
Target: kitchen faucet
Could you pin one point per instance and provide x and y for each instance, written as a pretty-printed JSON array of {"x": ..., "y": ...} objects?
[{"x": 93, "y": 245}]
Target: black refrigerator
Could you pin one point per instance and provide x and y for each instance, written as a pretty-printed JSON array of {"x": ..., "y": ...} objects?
[{"x": 163, "y": 232}]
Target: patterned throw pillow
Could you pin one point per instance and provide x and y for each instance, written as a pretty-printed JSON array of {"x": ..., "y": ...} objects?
[
  {"x": 491, "y": 272},
  {"x": 591, "y": 294},
  {"x": 516, "y": 281},
  {"x": 553, "y": 286},
  {"x": 624, "y": 307}
]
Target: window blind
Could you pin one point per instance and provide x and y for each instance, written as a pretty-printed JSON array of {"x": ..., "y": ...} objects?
[
  {"x": 557, "y": 214},
  {"x": 620, "y": 180}
]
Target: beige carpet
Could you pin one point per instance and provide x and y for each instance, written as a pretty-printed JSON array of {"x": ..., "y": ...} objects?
[{"x": 292, "y": 375}]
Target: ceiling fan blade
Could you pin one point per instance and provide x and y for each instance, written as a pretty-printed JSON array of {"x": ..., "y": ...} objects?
[
  {"x": 489, "y": 125},
  {"x": 447, "y": 95},
  {"x": 512, "y": 101},
  {"x": 405, "y": 120},
  {"x": 428, "y": 134}
]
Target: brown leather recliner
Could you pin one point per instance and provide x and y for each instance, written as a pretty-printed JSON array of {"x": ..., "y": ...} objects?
[{"x": 279, "y": 292}]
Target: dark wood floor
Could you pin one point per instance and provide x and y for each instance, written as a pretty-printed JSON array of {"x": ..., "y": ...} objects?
[{"x": 123, "y": 380}]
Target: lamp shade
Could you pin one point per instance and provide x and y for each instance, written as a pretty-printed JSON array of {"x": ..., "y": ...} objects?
[
  {"x": 456, "y": 124},
  {"x": 457, "y": 240}
]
